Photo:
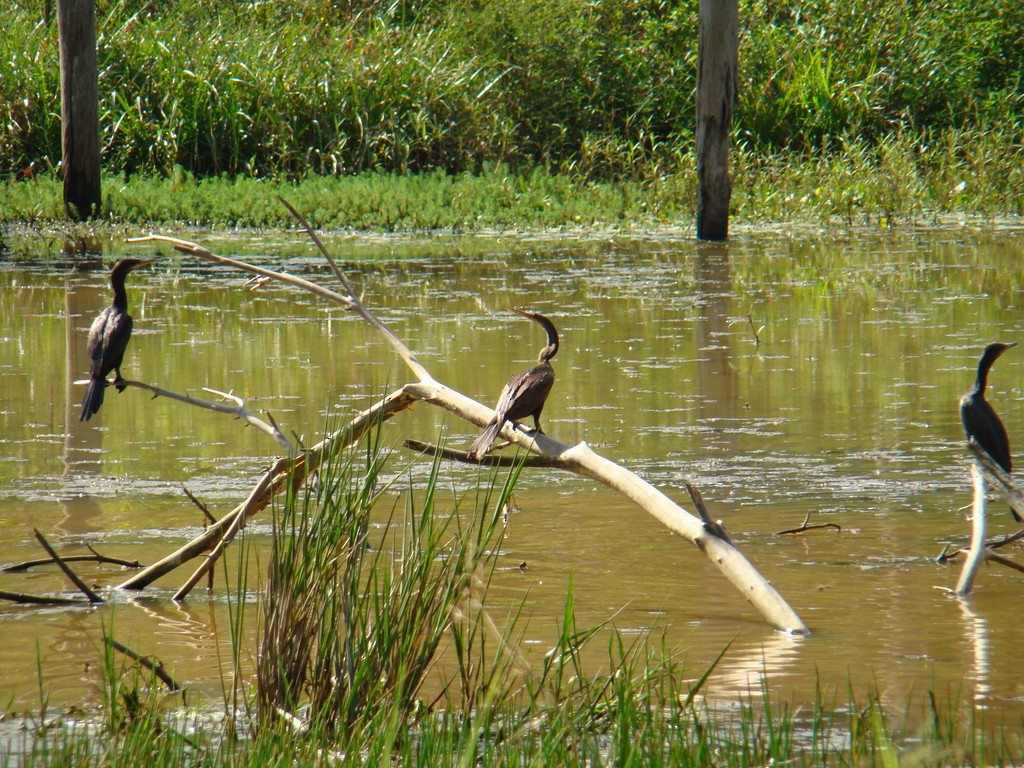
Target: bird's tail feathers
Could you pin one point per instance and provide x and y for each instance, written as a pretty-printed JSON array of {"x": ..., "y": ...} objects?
[
  {"x": 484, "y": 442},
  {"x": 93, "y": 398}
]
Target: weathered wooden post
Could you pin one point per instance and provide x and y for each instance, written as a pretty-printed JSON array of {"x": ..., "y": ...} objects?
[
  {"x": 716, "y": 90},
  {"x": 79, "y": 112}
]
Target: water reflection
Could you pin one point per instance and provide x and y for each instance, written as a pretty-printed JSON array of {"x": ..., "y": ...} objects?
[
  {"x": 976, "y": 639},
  {"x": 846, "y": 411},
  {"x": 717, "y": 386}
]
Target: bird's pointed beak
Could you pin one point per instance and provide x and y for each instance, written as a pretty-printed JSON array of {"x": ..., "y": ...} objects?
[{"x": 143, "y": 263}]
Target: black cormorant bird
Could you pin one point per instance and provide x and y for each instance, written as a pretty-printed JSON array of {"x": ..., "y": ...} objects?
[
  {"x": 981, "y": 423},
  {"x": 525, "y": 393},
  {"x": 108, "y": 338}
]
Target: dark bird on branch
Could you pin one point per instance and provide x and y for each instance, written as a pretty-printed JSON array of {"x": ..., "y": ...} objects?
[
  {"x": 525, "y": 393},
  {"x": 108, "y": 338},
  {"x": 981, "y": 423}
]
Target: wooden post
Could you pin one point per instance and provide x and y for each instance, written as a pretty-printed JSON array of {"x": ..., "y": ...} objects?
[
  {"x": 79, "y": 94},
  {"x": 716, "y": 91}
]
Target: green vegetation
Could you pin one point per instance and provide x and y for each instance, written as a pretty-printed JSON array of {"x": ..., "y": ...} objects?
[
  {"x": 378, "y": 647},
  {"x": 561, "y": 113}
]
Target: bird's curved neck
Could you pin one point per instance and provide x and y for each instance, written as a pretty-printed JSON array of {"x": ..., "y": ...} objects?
[
  {"x": 120, "y": 294},
  {"x": 548, "y": 352},
  {"x": 981, "y": 381}
]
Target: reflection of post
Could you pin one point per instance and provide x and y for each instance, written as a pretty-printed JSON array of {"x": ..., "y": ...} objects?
[
  {"x": 717, "y": 385},
  {"x": 976, "y": 630},
  {"x": 82, "y": 443}
]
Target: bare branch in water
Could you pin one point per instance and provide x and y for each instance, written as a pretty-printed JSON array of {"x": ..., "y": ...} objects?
[{"x": 83, "y": 588}]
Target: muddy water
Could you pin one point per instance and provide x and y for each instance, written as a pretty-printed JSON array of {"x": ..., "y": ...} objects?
[{"x": 845, "y": 411}]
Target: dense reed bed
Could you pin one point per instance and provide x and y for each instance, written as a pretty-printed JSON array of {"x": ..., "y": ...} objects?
[{"x": 567, "y": 111}]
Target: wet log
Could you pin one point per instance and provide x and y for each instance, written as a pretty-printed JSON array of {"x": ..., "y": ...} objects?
[
  {"x": 79, "y": 110},
  {"x": 716, "y": 92}
]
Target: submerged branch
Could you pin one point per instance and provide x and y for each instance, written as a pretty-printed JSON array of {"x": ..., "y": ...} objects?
[
  {"x": 805, "y": 526},
  {"x": 82, "y": 586},
  {"x": 22, "y": 598},
  {"x": 156, "y": 667}
]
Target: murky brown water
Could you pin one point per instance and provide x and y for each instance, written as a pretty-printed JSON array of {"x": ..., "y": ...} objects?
[{"x": 846, "y": 411}]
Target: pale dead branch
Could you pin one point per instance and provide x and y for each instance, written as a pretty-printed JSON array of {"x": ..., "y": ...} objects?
[{"x": 238, "y": 410}]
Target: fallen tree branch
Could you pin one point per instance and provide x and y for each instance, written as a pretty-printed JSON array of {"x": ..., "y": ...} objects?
[
  {"x": 998, "y": 479},
  {"x": 579, "y": 459}
]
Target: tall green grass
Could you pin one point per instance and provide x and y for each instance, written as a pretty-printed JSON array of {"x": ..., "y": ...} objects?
[{"x": 600, "y": 89}]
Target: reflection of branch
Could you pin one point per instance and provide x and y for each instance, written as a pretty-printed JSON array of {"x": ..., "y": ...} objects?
[
  {"x": 237, "y": 410},
  {"x": 805, "y": 527}
]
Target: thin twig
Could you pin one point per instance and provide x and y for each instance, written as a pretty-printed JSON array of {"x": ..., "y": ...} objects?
[
  {"x": 948, "y": 555},
  {"x": 805, "y": 527},
  {"x": 757, "y": 336},
  {"x": 93, "y": 597},
  {"x": 238, "y": 410},
  {"x": 202, "y": 507}
]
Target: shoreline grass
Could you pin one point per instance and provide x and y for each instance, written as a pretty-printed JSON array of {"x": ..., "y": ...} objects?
[{"x": 966, "y": 179}]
